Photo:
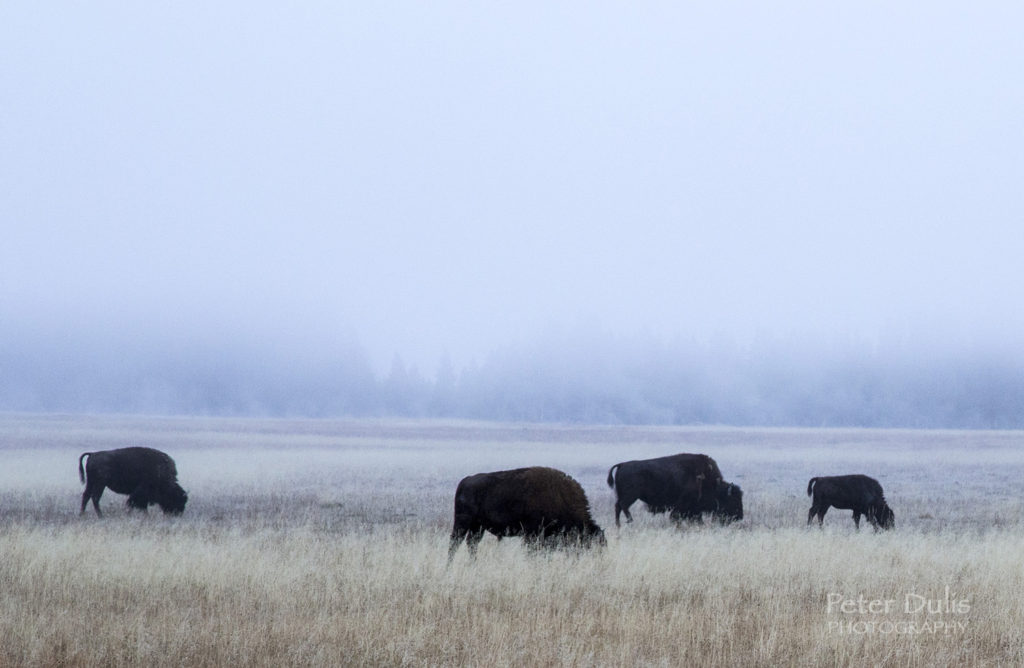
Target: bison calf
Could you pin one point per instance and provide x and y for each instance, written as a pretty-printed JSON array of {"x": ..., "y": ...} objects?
[
  {"x": 146, "y": 475},
  {"x": 540, "y": 504},
  {"x": 859, "y": 493}
]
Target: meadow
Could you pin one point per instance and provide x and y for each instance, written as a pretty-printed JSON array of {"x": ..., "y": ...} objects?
[{"x": 317, "y": 542}]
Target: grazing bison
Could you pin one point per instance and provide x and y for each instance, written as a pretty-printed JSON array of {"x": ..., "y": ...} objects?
[
  {"x": 541, "y": 504},
  {"x": 146, "y": 475},
  {"x": 859, "y": 493},
  {"x": 686, "y": 485}
]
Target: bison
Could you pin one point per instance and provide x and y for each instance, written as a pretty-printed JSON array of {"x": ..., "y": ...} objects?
[
  {"x": 146, "y": 475},
  {"x": 543, "y": 505},
  {"x": 686, "y": 485},
  {"x": 860, "y": 493}
]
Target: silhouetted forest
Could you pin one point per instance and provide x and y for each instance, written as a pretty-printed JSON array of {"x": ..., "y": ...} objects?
[{"x": 598, "y": 380}]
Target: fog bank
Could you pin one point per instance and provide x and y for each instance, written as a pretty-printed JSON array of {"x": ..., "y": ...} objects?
[
  {"x": 792, "y": 213},
  {"x": 596, "y": 378}
]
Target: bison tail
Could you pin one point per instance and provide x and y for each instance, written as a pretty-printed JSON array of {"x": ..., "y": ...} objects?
[
  {"x": 810, "y": 485},
  {"x": 81, "y": 470},
  {"x": 611, "y": 476}
]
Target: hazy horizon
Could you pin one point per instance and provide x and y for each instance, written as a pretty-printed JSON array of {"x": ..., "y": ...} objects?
[{"x": 296, "y": 192}]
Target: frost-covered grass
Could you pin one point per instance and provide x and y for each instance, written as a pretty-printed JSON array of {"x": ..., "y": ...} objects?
[{"x": 325, "y": 543}]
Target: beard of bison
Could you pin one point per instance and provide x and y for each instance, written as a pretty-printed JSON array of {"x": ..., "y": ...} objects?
[{"x": 147, "y": 476}]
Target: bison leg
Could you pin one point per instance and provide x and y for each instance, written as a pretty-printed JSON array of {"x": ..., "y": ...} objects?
[
  {"x": 471, "y": 534},
  {"x": 473, "y": 539},
  {"x": 856, "y": 519},
  {"x": 458, "y": 535},
  {"x": 624, "y": 509},
  {"x": 819, "y": 511},
  {"x": 622, "y": 504},
  {"x": 453, "y": 545},
  {"x": 93, "y": 492}
]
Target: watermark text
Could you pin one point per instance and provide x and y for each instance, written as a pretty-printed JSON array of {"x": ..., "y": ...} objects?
[{"x": 911, "y": 613}]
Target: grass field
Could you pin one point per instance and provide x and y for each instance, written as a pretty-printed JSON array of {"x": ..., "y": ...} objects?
[{"x": 325, "y": 543}]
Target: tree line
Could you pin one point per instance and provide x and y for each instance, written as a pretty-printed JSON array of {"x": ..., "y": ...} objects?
[{"x": 603, "y": 380}]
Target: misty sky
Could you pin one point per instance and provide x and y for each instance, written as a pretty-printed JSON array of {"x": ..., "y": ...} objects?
[{"x": 431, "y": 178}]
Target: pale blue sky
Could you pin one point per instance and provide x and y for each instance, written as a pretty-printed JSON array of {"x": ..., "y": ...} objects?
[{"x": 431, "y": 177}]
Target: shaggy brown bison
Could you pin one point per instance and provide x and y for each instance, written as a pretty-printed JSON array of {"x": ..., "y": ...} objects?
[
  {"x": 543, "y": 505},
  {"x": 686, "y": 485},
  {"x": 859, "y": 493},
  {"x": 146, "y": 475}
]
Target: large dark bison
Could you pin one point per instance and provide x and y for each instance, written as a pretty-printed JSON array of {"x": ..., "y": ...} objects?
[
  {"x": 146, "y": 475},
  {"x": 543, "y": 505},
  {"x": 860, "y": 493},
  {"x": 686, "y": 485}
]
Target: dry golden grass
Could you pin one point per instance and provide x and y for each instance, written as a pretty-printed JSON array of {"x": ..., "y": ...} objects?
[{"x": 315, "y": 543}]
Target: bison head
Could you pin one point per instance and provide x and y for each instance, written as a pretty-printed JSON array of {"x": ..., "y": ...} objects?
[
  {"x": 172, "y": 500},
  {"x": 729, "y": 498},
  {"x": 884, "y": 516}
]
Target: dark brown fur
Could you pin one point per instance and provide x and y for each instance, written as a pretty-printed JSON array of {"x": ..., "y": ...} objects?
[
  {"x": 860, "y": 493},
  {"x": 686, "y": 485},
  {"x": 541, "y": 504},
  {"x": 146, "y": 475}
]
